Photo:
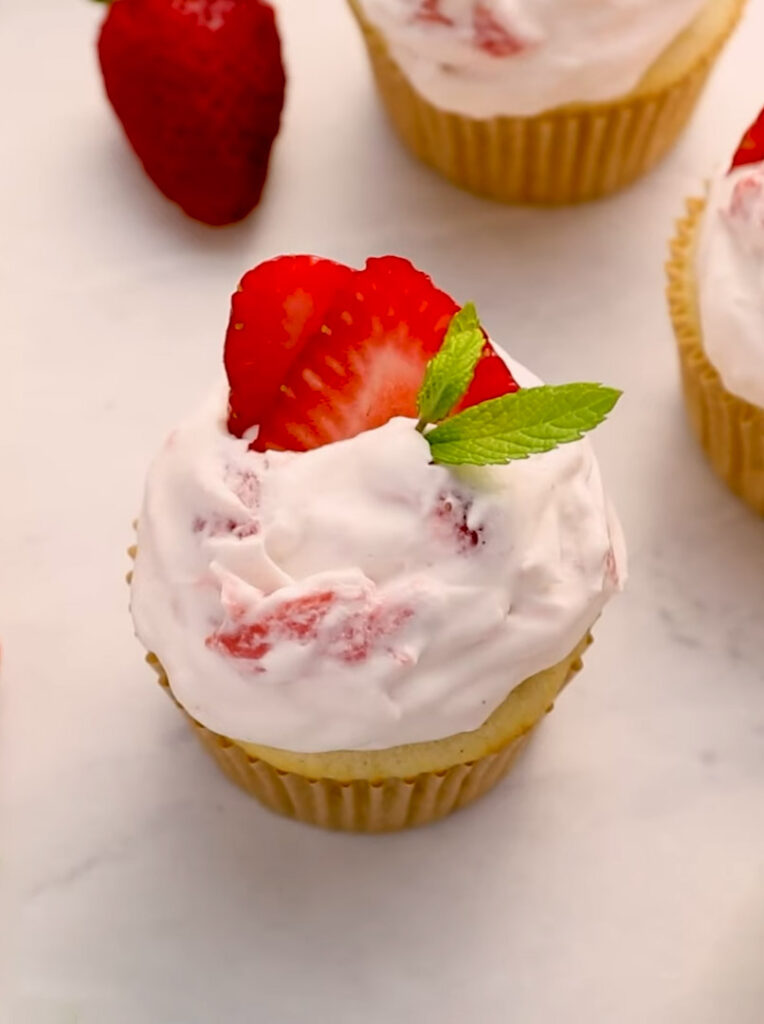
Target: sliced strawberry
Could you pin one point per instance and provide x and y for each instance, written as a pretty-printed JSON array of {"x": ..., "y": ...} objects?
[
  {"x": 491, "y": 36},
  {"x": 277, "y": 307},
  {"x": 751, "y": 148},
  {"x": 316, "y": 352},
  {"x": 367, "y": 362},
  {"x": 492, "y": 380}
]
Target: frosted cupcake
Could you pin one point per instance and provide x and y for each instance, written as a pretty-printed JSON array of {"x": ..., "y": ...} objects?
[
  {"x": 367, "y": 566},
  {"x": 542, "y": 101},
  {"x": 716, "y": 298}
]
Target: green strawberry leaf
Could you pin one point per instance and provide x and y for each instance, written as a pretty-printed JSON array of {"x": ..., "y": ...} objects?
[
  {"x": 515, "y": 426},
  {"x": 449, "y": 373}
]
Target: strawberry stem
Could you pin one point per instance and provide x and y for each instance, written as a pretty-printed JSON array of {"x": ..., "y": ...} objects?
[{"x": 421, "y": 425}]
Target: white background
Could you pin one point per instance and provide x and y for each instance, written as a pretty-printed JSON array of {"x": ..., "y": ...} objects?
[{"x": 617, "y": 875}]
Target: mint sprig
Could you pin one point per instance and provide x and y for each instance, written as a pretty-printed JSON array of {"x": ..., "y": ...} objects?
[
  {"x": 514, "y": 426},
  {"x": 524, "y": 423},
  {"x": 449, "y": 373}
]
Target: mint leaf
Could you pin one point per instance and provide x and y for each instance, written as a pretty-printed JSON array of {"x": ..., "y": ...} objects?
[
  {"x": 521, "y": 424},
  {"x": 449, "y": 373}
]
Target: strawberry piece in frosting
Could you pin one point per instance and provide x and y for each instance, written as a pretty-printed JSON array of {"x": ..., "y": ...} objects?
[
  {"x": 430, "y": 11},
  {"x": 363, "y": 630},
  {"x": 346, "y": 627},
  {"x": 245, "y": 485},
  {"x": 491, "y": 36},
  {"x": 219, "y": 526},
  {"x": 296, "y": 619},
  {"x": 450, "y": 522},
  {"x": 746, "y": 201}
]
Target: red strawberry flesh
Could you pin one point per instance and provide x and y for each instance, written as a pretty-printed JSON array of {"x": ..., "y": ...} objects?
[
  {"x": 429, "y": 11},
  {"x": 491, "y": 36},
  {"x": 451, "y": 522},
  {"x": 360, "y": 623},
  {"x": 198, "y": 86},
  {"x": 491, "y": 380},
  {"x": 366, "y": 363},
  {"x": 295, "y": 619},
  {"x": 277, "y": 307},
  {"x": 751, "y": 148},
  {"x": 351, "y": 357}
]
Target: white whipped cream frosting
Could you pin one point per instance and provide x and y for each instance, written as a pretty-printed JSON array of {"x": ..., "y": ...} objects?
[
  {"x": 380, "y": 599},
  {"x": 729, "y": 264},
  {"x": 487, "y": 58}
]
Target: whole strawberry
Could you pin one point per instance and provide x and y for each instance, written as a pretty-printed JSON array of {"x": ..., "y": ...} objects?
[{"x": 198, "y": 86}]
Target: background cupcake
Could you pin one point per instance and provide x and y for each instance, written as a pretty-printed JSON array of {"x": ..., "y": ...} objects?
[
  {"x": 542, "y": 103},
  {"x": 716, "y": 299},
  {"x": 363, "y": 615}
]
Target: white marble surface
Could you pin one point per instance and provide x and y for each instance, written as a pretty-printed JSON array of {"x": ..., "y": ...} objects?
[{"x": 618, "y": 873}]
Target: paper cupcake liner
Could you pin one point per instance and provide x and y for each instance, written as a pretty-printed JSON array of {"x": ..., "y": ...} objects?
[
  {"x": 566, "y": 155},
  {"x": 730, "y": 430},
  {"x": 383, "y": 805}
]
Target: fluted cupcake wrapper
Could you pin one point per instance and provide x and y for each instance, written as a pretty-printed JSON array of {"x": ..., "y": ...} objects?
[
  {"x": 566, "y": 155},
  {"x": 730, "y": 430},
  {"x": 383, "y": 805}
]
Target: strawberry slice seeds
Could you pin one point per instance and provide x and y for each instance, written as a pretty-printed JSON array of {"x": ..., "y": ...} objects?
[
  {"x": 275, "y": 310},
  {"x": 317, "y": 352}
]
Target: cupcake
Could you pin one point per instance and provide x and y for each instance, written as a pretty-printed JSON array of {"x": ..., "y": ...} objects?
[
  {"x": 716, "y": 300},
  {"x": 533, "y": 101},
  {"x": 368, "y": 564}
]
